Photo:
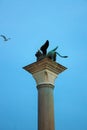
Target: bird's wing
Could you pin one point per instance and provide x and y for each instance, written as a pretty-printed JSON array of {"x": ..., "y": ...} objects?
[{"x": 3, "y": 37}]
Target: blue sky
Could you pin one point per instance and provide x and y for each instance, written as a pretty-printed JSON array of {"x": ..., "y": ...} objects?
[{"x": 29, "y": 24}]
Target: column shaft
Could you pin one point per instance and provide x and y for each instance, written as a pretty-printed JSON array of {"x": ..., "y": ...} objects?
[{"x": 45, "y": 107}]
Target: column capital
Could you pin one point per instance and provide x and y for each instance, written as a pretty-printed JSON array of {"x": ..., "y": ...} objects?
[{"x": 45, "y": 71}]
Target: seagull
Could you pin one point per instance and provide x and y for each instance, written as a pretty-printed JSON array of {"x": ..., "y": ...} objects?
[{"x": 5, "y": 38}]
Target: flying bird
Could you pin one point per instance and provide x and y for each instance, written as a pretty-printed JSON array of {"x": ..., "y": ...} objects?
[
  {"x": 44, "y": 47},
  {"x": 5, "y": 38}
]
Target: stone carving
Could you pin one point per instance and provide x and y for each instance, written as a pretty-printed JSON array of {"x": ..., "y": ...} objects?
[{"x": 42, "y": 52}]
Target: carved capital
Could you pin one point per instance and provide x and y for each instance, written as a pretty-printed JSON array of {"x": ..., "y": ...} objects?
[
  {"x": 45, "y": 77},
  {"x": 45, "y": 71}
]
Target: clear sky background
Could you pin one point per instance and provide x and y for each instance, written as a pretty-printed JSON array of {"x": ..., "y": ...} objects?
[{"x": 29, "y": 23}]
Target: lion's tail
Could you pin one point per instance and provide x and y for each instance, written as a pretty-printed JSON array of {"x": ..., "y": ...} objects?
[{"x": 61, "y": 55}]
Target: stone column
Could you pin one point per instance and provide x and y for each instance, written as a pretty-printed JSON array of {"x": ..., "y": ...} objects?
[{"x": 45, "y": 72}]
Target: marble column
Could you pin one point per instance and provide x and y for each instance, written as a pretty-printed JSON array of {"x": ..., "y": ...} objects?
[{"x": 45, "y": 72}]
